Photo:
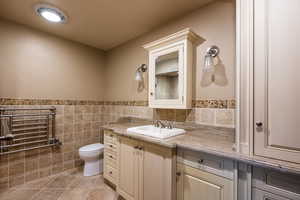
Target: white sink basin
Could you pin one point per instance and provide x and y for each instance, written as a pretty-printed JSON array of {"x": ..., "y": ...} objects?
[{"x": 156, "y": 132}]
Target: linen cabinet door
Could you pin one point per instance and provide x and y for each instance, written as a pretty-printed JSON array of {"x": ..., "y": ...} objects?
[
  {"x": 128, "y": 168},
  {"x": 157, "y": 173},
  {"x": 199, "y": 185},
  {"x": 276, "y": 79}
]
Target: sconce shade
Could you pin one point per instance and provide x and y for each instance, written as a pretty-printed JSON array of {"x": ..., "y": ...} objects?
[
  {"x": 138, "y": 75},
  {"x": 139, "y": 72},
  {"x": 208, "y": 64}
]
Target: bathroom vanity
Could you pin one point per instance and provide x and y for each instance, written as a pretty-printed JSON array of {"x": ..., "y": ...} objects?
[
  {"x": 139, "y": 169},
  {"x": 195, "y": 165}
]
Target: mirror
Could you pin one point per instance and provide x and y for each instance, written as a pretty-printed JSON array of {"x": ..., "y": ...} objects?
[{"x": 166, "y": 76}]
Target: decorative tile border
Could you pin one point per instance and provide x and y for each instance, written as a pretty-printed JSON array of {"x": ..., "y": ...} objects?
[
  {"x": 126, "y": 103},
  {"x": 214, "y": 104},
  {"x": 9, "y": 101},
  {"x": 195, "y": 103}
]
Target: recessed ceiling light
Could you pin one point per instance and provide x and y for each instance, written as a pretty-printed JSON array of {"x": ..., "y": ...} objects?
[{"x": 50, "y": 13}]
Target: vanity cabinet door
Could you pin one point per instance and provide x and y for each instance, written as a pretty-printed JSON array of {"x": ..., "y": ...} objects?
[
  {"x": 276, "y": 79},
  {"x": 157, "y": 173},
  {"x": 128, "y": 168},
  {"x": 195, "y": 184}
]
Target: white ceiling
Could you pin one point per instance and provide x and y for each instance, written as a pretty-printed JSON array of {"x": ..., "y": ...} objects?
[{"x": 103, "y": 24}]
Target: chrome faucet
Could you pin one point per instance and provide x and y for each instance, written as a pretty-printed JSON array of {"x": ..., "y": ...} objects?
[
  {"x": 159, "y": 123},
  {"x": 170, "y": 125}
]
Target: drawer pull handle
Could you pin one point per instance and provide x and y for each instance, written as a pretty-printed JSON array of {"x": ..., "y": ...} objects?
[
  {"x": 178, "y": 174},
  {"x": 111, "y": 135},
  {"x": 136, "y": 147}
]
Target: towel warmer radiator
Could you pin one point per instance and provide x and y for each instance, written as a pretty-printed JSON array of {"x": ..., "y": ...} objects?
[{"x": 23, "y": 129}]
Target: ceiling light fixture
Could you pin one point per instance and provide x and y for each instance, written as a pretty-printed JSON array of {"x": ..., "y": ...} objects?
[{"x": 50, "y": 13}]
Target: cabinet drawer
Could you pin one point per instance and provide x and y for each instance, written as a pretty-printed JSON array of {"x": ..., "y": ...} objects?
[
  {"x": 110, "y": 147},
  {"x": 110, "y": 159},
  {"x": 110, "y": 137},
  {"x": 110, "y": 173},
  {"x": 263, "y": 195},
  {"x": 206, "y": 162},
  {"x": 276, "y": 182}
]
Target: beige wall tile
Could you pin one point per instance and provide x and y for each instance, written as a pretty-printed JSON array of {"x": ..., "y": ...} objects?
[
  {"x": 3, "y": 183},
  {"x": 225, "y": 117},
  {"x": 205, "y": 116},
  {"x": 16, "y": 180}
]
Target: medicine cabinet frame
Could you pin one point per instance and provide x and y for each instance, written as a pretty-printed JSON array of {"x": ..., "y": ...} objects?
[{"x": 179, "y": 81}]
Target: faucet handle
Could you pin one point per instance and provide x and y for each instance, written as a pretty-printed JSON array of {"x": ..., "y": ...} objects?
[
  {"x": 170, "y": 124},
  {"x": 155, "y": 123}
]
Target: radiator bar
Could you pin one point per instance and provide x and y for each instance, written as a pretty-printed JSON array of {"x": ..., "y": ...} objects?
[
  {"x": 27, "y": 120},
  {"x": 32, "y": 148},
  {"x": 29, "y": 129},
  {"x": 29, "y": 124},
  {"x": 29, "y": 133},
  {"x": 24, "y": 143},
  {"x": 30, "y": 138}
]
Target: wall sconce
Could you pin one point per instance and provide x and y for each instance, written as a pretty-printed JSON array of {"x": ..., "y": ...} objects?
[
  {"x": 211, "y": 53},
  {"x": 139, "y": 72}
]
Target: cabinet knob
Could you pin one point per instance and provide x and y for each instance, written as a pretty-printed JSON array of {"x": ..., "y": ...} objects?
[
  {"x": 259, "y": 124},
  {"x": 178, "y": 174},
  {"x": 151, "y": 93},
  {"x": 200, "y": 161}
]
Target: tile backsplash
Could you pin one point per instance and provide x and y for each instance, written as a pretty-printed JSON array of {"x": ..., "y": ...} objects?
[{"x": 79, "y": 123}]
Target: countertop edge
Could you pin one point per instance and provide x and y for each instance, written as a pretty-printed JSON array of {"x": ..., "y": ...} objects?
[{"x": 237, "y": 156}]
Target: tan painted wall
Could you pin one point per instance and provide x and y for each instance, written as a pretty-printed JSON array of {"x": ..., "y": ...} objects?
[
  {"x": 214, "y": 22},
  {"x": 34, "y": 64}
]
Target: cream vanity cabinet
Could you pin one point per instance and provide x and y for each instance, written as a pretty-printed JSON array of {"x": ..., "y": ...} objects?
[
  {"x": 170, "y": 70},
  {"x": 144, "y": 171},
  {"x": 276, "y": 79},
  {"x": 204, "y": 177}
]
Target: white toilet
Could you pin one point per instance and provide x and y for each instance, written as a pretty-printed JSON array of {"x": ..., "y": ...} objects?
[{"x": 93, "y": 165}]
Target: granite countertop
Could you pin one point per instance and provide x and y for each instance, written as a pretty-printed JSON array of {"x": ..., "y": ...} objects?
[{"x": 212, "y": 140}]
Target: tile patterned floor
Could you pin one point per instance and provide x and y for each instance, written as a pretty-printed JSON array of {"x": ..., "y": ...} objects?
[{"x": 70, "y": 185}]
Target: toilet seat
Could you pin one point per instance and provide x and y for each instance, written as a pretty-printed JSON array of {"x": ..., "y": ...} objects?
[{"x": 92, "y": 147}]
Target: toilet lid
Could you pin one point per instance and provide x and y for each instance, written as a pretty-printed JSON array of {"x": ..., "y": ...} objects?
[{"x": 92, "y": 147}]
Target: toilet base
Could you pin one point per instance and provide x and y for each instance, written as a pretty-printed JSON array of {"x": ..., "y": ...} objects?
[{"x": 92, "y": 168}]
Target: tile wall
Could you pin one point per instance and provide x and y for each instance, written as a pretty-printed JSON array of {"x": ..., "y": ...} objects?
[
  {"x": 79, "y": 123},
  {"x": 76, "y": 125}
]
